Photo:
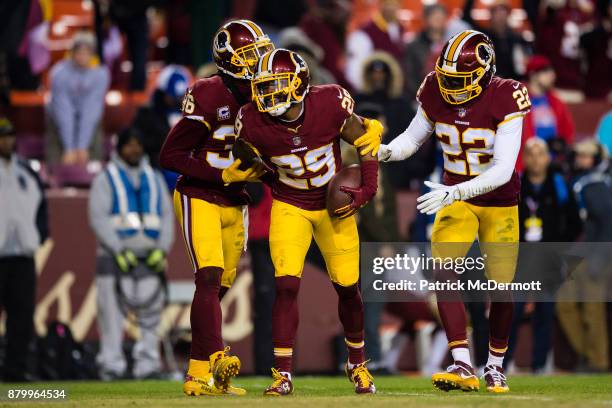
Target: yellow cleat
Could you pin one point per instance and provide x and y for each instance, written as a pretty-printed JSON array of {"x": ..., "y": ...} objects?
[
  {"x": 194, "y": 387},
  {"x": 459, "y": 376},
  {"x": 224, "y": 368}
]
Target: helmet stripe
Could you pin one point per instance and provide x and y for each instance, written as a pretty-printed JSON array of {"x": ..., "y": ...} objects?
[
  {"x": 258, "y": 31},
  {"x": 462, "y": 43},
  {"x": 246, "y": 24},
  {"x": 448, "y": 46},
  {"x": 263, "y": 62},
  {"x": 270, "y": 60},
  {"x": 454, "y": 43}
]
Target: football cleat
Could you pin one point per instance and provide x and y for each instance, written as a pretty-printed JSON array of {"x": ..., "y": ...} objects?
[
  {"x": 281, "y": 385},
  {"x": 458, "y": 376},
  {"x": 224, "y": 367},
  {"x": 361, "y": 378},
  {"x": 194, "y": 386},
  {"x": 496, "y": 379}
]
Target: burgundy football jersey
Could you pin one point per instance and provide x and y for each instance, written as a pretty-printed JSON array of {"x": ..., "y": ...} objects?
[
  {"x": 210, "y": 102},
  {"x": 305, "y": 153},
  {"x": 466, "y": 132}
]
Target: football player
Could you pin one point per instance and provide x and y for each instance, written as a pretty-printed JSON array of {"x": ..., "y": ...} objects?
[
  {"x": 478, "y": 119},
  {"x": 211, "y": 211},
  {"x": 296, "y": 129}
]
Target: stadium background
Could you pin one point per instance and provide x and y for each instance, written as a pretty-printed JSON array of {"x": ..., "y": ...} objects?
[{"x": 66, "y": 263}]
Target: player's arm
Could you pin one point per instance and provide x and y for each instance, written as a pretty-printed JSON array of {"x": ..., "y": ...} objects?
[
  {"x": 177, "y": 152},
  {"x": 242, "y": 151},
  {"x": 354, "y": 128},
  {"x": 409, "y": 141},
  {"x": 505, "y": 152}
]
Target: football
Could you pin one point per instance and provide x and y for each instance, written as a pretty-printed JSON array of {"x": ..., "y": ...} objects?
[
  {"x": 349, "y": 176},
  {"x": 247, "y": 154}
]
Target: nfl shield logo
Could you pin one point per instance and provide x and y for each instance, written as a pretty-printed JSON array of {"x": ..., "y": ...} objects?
[
  {"x": 296, "y": 140},
  {"x": 461, "y": 112}
]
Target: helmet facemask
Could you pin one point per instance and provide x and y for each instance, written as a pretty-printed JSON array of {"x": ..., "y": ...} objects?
[
  {"x": 459, "y": 87},
  {"x": 248, "y": 56},
  {"x": 274, "y": 93}
]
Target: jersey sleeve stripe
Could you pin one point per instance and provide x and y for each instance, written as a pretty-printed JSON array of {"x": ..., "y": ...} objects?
[
  {"x": 199, "y": 119},
  {"x": 510, "y": 117}
]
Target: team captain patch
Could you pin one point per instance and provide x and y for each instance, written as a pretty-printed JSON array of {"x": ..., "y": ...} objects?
[{"x": 223, "y": 113}]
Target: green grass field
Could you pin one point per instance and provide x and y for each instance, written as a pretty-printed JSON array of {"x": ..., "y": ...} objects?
[{"x": 405, "y": 392}]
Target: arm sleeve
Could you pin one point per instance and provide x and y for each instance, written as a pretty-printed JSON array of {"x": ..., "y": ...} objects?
[
  {"x": 177, "y": 152},
  {"x": 92, "y": 108},
  {"x": 62, "y": 110},
  {"x": 408, "y": 142},
  {"x": 99, "y": 210},
  {"x": 166, "y": 236},
  {"x": 505, "y": 153}
]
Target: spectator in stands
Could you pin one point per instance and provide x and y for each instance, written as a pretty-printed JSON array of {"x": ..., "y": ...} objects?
[
  {"x": 325, "y": 24},
  {"x": 382, "y": 33},
  {"x": 585, "y": 324},
  {"x": 595, "y": 46},
  {"x": 557, "y": 25},
  {"x": 263, "y": 276},
  {"x": 419, "y": 50},
  {"x": 132, "y": 217},
  {"x": 295, "y": 39},
  {"x": 509, "y": 46},
  {"x": 154, "y": 120},
  {"x": 547, "y": 213},
  {"x": 78, "y": 88},
  {"x": 549, "y": 118},
  {"x": 23, "y": 227}
]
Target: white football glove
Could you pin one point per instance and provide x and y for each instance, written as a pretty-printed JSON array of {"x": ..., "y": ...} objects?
[
  {"x": 384, "y": 153},
  {"x": 439, "y": 197}
]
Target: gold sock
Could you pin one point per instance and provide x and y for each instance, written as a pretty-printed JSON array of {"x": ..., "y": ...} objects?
[{"x": 198, "y": 368}]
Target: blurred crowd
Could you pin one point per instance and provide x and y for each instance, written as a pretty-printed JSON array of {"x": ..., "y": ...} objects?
[{"x": 562, "y": 50}]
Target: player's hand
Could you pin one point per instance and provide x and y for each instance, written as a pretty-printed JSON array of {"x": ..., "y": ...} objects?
[
  {"x": 360, "y": 197},
  {"x": 371, "y": 139},
  {"x": 439, "y": 197},
  {"x": 233, "y": 174},
  {"x": 384, "y": 153},
  {"x": 126, "y": 260},
  {"x": 156, "y": 261}
]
